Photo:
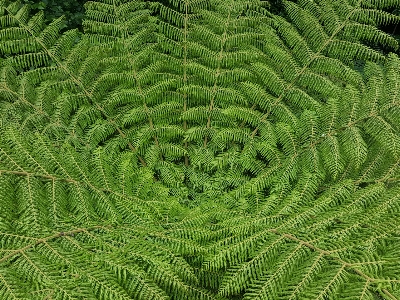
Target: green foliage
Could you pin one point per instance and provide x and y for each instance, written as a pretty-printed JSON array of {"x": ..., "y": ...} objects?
[
  {"x": 71, "y": 9},
  {"x": 200, "y": 149}
]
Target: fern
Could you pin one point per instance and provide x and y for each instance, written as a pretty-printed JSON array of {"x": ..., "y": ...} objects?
[{"x": 200, "y": 149}]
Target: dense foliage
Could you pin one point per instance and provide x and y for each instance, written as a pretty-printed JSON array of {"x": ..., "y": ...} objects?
[
  {"x": 201, "y": 149},
  {"x": 71, "y": 9}
]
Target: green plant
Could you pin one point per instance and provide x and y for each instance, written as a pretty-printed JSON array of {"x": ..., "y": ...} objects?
[
  {"x": 200, "y": 149},
  {"x": 72, "y": 9}
]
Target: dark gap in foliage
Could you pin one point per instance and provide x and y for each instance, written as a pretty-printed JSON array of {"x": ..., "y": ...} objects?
[
  {"x": 72, "y": 9},
  {"x": 392, "y": 29},
  {"x": 276, "y": 6}
]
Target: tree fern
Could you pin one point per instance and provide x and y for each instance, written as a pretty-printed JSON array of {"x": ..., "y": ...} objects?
[{"x": 200, "y": 149}]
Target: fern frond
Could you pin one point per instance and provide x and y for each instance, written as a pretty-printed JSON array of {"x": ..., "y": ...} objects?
[{"x": 200, "y": 149}]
